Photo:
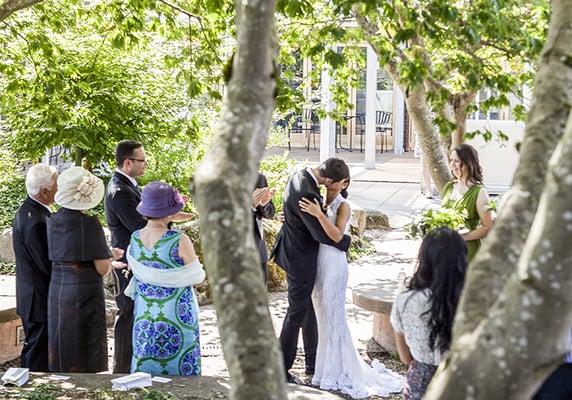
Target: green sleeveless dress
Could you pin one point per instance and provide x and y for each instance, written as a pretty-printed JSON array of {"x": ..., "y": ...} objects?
[{"x": 467, "y": 202}]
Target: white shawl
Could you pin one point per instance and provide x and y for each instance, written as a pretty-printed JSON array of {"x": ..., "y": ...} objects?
[{"x": 188, "y": 275}]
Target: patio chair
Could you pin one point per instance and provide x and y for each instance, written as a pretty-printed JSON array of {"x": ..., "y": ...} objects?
[
  {"x": 306, "y": 124},
  {"x": 383, "y": 126},
  {"x": 360, "y": 129}
]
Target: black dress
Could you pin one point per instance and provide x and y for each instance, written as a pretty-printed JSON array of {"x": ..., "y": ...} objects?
[{"x": 77, "y": 338}]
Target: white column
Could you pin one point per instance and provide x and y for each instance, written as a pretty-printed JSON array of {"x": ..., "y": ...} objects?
[
  {"x": 398, "y": 120},
  {"x": 327, "y": 125},
  {"x": 370, "y": 107}
]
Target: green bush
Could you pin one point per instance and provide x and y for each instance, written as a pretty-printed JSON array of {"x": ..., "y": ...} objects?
[
  {"x": 433, "y": 219},
  {"x": 12, "y": 187},
  {"x": 277, "y": 169}
]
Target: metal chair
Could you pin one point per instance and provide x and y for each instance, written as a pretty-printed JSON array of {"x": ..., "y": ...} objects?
[
  {"x": 360, "y": 129},
  {"x": 305, "y": 123},
  {"x": 383, "y": 126}
]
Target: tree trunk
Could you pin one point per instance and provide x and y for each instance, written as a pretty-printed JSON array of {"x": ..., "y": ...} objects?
[
  {"x": 433, "y": 152},
  {"x": 8, "y": 7},
  {"x": 223, "y": 187},
  {"x": 418, "y": 108},
  {"x": 512, "y": 325},
  {"x": 78, "y": 156},
  {"x": 546, "y": 120},
  {"x": 460, "y": 104}
]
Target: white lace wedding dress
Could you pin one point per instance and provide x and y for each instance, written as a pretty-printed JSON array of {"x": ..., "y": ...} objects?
[{"x": 338, "y": 364}]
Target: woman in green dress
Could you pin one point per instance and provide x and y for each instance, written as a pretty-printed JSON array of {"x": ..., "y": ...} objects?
[{"x": 466, "y": 192}]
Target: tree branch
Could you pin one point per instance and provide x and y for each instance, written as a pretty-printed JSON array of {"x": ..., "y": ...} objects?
[
  {"x": 200, "y": 21},
  {"x": 8, "y": 7}
]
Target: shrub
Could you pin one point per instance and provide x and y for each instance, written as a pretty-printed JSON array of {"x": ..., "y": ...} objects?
[
  {"x": 277, "y": 169},
  {"x": 433, "y": 219},
  {"x": 12, "y": 187}
]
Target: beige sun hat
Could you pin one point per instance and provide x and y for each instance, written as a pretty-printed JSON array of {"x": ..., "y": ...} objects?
[{"x": 78, "y": 189}]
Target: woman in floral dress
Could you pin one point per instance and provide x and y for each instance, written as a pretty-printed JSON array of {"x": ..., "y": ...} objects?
[{"x": 165, "y": 266}]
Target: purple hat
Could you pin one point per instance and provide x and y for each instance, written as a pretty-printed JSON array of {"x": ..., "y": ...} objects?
[{"x": 159, "y": 200}]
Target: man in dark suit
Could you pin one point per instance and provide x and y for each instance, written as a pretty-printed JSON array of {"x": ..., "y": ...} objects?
[
  {"x": 123, "y": 195},
  {"x": 33, "y": 267},
  {"x": 262, "y": 207},
  {"x": 296, "y": 251}
]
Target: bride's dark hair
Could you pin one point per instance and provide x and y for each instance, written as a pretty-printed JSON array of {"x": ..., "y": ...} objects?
[
  {"x": 344, "y": 192},
  {"x": 441, "y": 268}
]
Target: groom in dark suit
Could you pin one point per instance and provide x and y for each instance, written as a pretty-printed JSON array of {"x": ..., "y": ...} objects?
[
  {"x": 296, "y": 251},
  {"x": 123, "y": 195}
]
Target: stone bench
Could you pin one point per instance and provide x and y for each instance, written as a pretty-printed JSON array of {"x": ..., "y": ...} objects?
[
  {"x": 89, "y": 386},
  {"x": 11, "y": 333},
  {"x": 378, "y": 299}
]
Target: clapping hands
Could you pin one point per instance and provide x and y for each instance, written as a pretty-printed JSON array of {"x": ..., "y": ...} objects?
[{"x": 261, "y": 196}]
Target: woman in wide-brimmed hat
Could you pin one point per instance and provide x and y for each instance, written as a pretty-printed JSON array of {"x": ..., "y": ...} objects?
[
  {"x": 80, "y": 256},
  {"x": 165, "y": 268}
]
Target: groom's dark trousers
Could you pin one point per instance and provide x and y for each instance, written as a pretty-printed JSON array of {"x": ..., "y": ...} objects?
[{"x": 296, "y": 251}]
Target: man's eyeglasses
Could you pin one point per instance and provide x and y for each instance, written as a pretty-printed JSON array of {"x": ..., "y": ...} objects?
[{"x": 136, "y": 159}]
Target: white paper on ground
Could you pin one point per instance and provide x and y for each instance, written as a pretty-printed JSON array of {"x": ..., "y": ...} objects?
[
  {"x": 16, "y": 376},
  {"x": 136, "y": 380},
  {"x": 161, "y": 379}
]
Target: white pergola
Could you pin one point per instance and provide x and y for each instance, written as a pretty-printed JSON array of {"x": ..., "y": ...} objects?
[{"x": 328, "y": 126}]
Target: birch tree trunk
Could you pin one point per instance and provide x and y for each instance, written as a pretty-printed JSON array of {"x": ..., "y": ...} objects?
[
  {"x": 547, "y": 117},
  {"x": 223, "y": 188},
  {"x": 513, "y": 322}
]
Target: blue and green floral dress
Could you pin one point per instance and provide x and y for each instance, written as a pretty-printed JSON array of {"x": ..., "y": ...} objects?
[{"x": 166, "y": 320}]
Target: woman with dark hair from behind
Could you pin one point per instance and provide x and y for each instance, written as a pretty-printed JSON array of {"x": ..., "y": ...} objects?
[
  {"x": 466, "y": 192},
  {"x": 422, "y": 315}
]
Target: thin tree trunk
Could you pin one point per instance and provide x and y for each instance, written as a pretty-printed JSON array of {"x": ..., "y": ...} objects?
[
  {"x": 547, "y": 117},
  {"x": 78, "y": 156},
  {"x": 527, "y": 331},
  {"x": 223, "y": 187},
  {"x": 460, "y": 104},
  {"x": 433, "y": 152},
  {"x": 418, "y": 108},
  {"x": 8, "y": 7}
]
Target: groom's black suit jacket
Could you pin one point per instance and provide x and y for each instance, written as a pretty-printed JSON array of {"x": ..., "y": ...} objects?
[{"x": 297, "y": 244}]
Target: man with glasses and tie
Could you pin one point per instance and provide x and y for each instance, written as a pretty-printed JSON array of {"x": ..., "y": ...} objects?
[{"x": 123, "y": 195}]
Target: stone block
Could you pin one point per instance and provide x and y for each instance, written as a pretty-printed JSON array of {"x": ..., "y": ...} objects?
[
  {"x": 376, "y": 220},
  {"x": 10, "y": 343},
  {"x": 358, "y": 220},
  {"x": 6, "y": 249},
  {"x": 379, "y": 301}
]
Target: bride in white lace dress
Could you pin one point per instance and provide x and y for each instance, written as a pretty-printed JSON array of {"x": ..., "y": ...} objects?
[{"x": 338, "y": 364}]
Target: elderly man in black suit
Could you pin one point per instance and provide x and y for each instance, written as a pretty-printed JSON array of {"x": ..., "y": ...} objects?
[
  {"x": 122, "y": 197},
  {"x": 296, "y": 251},
  {"x": 262, "y": 207},
  {"x": 33, "y": 267}
]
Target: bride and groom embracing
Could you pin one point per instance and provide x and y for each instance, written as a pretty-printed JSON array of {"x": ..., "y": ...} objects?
[{"x": 311, "y": 247}]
